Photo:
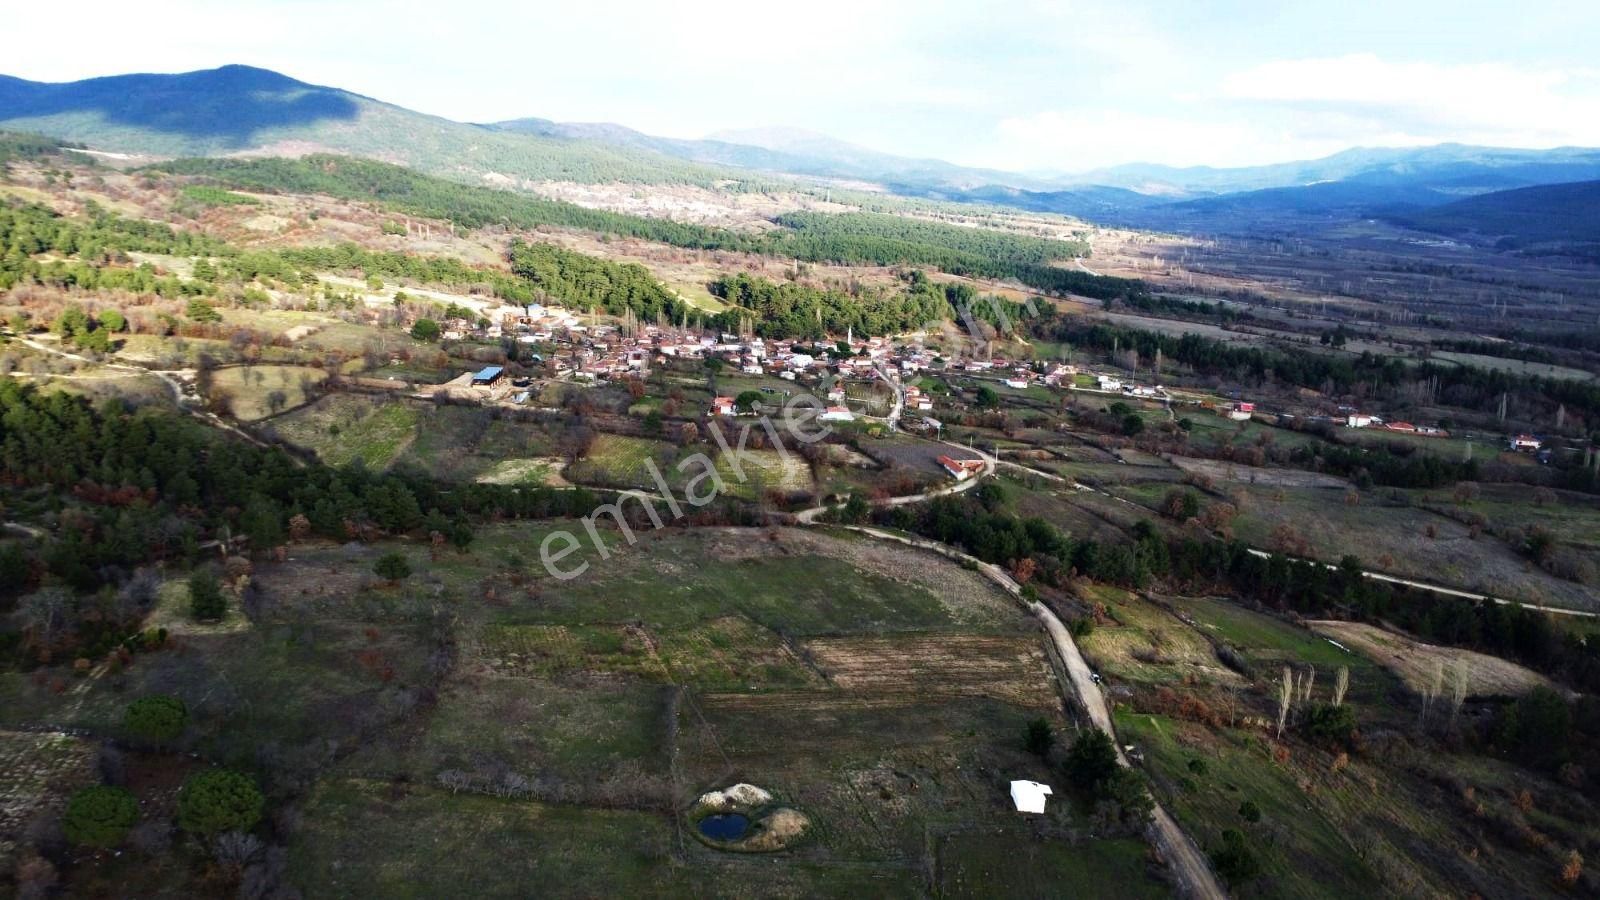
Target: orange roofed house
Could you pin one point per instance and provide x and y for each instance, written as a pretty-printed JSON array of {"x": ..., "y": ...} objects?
[{"x": 961, "y": 469}]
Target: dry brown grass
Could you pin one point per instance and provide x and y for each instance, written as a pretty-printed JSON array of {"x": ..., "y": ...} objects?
[
  {"x": 1417, "y": 664},
  {"x": 1005, "y": 668}
]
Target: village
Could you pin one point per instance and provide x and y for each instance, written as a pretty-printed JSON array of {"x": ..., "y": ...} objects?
[{"x": 558, "y": 344}]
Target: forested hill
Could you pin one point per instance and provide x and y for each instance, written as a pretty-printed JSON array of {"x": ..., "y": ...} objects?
[
  {"x": 1519, "y": 218},
  {"x": 238, "y": 108},
  {"x": 850, "y": 238}
]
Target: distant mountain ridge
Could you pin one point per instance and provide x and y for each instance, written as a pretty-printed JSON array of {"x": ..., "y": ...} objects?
[{"x": 244, "y": 110}]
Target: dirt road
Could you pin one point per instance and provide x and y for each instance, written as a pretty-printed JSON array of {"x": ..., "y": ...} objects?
[{"x": 812, "y": 515}]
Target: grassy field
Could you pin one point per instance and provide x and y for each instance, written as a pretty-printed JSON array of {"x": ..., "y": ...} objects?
[
  {"x": 617, "y": 460},
  {"x": 250, "y": 388},
  {"x": 1017, "y": 864},
  {"x": 1146, "y": 643},
  {"x": 1306, "y": 855},
  {"x": 1396, "y": 539},
  {"x": 364, "y": 838},
  {"x": 341, "y": 429}
]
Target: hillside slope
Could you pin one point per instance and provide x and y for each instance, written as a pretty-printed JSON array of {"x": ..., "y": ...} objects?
[
  {"x": 1520, "y": 218},
  {"x": 240, "y": 109}
]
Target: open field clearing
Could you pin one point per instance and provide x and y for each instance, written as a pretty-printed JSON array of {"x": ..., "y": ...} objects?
[
  {"x": 617, "y": 460},
  {"x": 1574, "y": 519},
  {"x": 1515, "y": 366},
  {"x": 1233, "y": 473},
  {"x": 1016, "y": 864},
  {"x": 363, "y": 838},
  {"x": 341, "y": 429},
  {"x": 594, "y": 739},
  {"x": 764, "y": 470},
  {"x": 1307, "y": 857},
  {"x": 38, "y": 770},
  {"x": 1420, "y": 665},
  {"x": 1401, "y": 540},
  {"x": 1143, "y": 642},
  {"x": 1006, "y": 668},
  {"x": 448, "y": 442},
  {"x": 871, "y": 771},
  {"x": 723, "y": 653},
  {"x": 546, "y": 471},
  {"x": 802, "y": 583},
  {"x": 256, "y": 392}
]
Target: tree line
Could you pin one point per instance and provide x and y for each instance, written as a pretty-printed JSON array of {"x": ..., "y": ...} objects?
[
  {"x": 788, "y": 310},
  {"x": 855, "y": 238},
  {"x": 129, "y": 486},
  {"x": 1464, "y": 386}
]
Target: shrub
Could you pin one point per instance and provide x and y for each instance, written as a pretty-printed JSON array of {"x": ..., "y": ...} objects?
[
  {"x": 100, "y": 816},
  {"x": 1250, "y": 812},
  {"x": 1234, "y": 861},
  {"x": 219, "y": 800},
  {"x": 1038, "y": 737},
  {"x": 1092, "y": 760},
  {"x": 205, "y": 596},
  {"x": 425, "y": 330},
  {"x": 1331, "y": 724},
  {"x": 157, "y": 718},
  {"x": 392, "y": 567}
]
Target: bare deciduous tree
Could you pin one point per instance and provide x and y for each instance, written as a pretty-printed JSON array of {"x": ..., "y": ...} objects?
[
  {"x": 1285, "y": 699},
  {"x": 1458, "y": 689},
  {"x": 1341, "y": 684}
]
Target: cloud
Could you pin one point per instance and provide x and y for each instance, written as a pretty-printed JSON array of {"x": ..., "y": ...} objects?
[{"x": 1488, "y": 102}]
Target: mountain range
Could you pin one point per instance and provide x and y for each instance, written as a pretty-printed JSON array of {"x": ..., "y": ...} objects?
[{"x": 239, "y": 109}]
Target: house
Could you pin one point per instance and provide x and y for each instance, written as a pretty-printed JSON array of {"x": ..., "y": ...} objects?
[
  {"x": 722, "y": 406},
  {"x": 1029, "y": 796},
  {"x": 836, "y": 414},
  {"x": 836, "y": 394},
  {"x": 1526, "y": 443},
  {"x": 961, "y": 469},
  {"x": 1357, "y": 420},
  {"x": 1017, "y": 383},
  {"x": 1107, "y": 383},
  {"x": 1241, "y": 412},
  {"x": 487, "y": 376},
  {"x": 1404, "y": 427}
]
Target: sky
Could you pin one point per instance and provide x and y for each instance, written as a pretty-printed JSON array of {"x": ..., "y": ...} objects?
[{"x": 1059, "y": 86}]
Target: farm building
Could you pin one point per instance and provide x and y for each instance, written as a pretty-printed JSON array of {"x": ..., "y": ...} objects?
[
  {"x": 1526, "y": 443},
  {"x": 488, "y": 375},
  {"x": 961, "y": 469}
]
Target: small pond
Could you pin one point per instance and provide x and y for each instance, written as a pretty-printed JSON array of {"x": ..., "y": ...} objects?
[{"x": 725, "y": 826}]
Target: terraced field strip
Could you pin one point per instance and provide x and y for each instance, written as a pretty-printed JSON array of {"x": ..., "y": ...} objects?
[{"x": 1013, "y": 669}]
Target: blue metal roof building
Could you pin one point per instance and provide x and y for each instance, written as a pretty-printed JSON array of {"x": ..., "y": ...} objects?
[{"x": 488, "y": 375}]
